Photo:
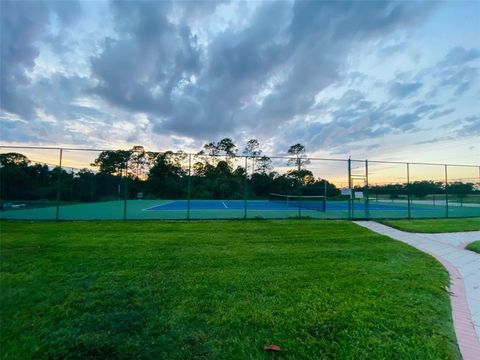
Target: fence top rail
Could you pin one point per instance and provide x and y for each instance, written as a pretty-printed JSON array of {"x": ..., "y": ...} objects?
[
  {"x": 308, "y": 158},
  {"x": 49, "y": 148}
]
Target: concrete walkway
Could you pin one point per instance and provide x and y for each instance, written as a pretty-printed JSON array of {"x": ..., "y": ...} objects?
[{"x": 464, "y": 269}]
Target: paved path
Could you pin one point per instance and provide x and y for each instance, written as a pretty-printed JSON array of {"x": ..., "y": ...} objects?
[{"x": 464, "y": 269}]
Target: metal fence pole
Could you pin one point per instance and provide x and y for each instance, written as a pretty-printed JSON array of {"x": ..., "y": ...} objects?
[
  {"x": 408, "y": 192},
  {"x": 125, "y": 182},
  {"x": 299, "y": 188},
  {"x": 2, "y": 188},
  {"x": 446, "y": 192},
  {"x": 188, "y": 184},
  {"x": 59, "y": 183},
  {"x": 245, "y": 188},
  {"x": 350, "y": 212},
  {"x": 367, "y": 201}
]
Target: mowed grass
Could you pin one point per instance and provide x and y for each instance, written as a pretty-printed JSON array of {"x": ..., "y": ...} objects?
[
  {"x": 474, "y": 246},
  {"x": 219, "y": 290},
  {"x": 435, "y": 225}
]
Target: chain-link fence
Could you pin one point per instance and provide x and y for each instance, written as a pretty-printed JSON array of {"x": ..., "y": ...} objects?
[{"x": 88, "y": 184}]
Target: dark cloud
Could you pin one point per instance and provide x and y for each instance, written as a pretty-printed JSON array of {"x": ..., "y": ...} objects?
[
  {"x": 470, "y": 126},
  {"x": 268, "y": 70},
  {"x": 405, "y": 122},
  {"x": 238, "y": 65},
  {"x": 59, "y": 92},
  {"x": 441, "y": 113},
  {"x": 20, "y": 131},
  {"x": 402, "y": 90},
  {"x": 435, "y": 140},
  {"x": 150, "y": 61},
  {"x": 23, "y": 25},
  {"x": 459, "y": 78},
  {"x": 459, "y": 56},
  {"x": 456, "y": 71},
  {"x": 354, "y": 119},
  {"x": 322, "y": 35},
  {"x": 390, "y": 50},
  {"x": 424, "y": 109}
]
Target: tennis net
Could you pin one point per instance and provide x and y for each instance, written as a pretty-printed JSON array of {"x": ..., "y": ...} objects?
[{"x": 317, "y": 203}]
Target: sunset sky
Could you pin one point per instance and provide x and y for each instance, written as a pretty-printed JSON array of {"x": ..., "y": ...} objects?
[{"x": 379, "y": 80}]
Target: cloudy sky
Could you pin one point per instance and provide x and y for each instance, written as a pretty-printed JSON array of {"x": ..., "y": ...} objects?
[{"x": 383, "y": 80}]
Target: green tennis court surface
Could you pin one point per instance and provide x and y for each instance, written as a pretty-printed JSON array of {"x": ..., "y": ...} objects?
[{"x": 232, "y": 209}]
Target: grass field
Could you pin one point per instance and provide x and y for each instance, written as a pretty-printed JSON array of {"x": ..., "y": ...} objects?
[
  {"x": 219, "y": 290},
  {"x": 474, "y": 246},
  {"x": 435, "y": 225}
]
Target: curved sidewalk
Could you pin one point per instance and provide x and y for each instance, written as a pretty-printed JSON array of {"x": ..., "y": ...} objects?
[{"x": 464, "y": 269}]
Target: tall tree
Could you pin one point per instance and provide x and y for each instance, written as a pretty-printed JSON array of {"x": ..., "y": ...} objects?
[
  {"x": 300, "y": 156},
  {"x": 300, "y": 160},
  {"x": 210, "y": 152},
  {"x": 138, "y": 162},
  {"x": 13, "y": 159},
  {"x": 211, "y": 149},
  {"x": 227, "y": 146},
  {"x": 460, "y": 189},
  {"x": 263, "y": 164},
  {"x": 167, "y": 174},
  {"x": 113, "y": 162},
  {"x": 252, "y": 149}
]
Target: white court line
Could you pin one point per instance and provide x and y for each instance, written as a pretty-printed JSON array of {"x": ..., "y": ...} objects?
[
  {"x": 155, "y": 206},
  {"x": 231, "y": 209},
  {"x": 223, "y": 202}
]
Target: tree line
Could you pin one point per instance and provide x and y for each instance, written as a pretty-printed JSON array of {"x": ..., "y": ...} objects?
[{"x": 212, "y": 173}]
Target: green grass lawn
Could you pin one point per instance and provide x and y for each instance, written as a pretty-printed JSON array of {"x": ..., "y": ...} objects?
[
  {"x": 435, "y": 225},
  {"x": 474, "y": 246},
  {"x": 218, "y": 290}
]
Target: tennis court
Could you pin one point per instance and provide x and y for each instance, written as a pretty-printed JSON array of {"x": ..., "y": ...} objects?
[{"x": 314, "y": 207}]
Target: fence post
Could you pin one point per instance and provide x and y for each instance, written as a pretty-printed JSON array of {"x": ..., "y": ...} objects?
[
  {"x": 408, "y": 192},
  {"x": 188, "y": 184},
  {"x": 350, "y": 212},
  {"x": 59, "y": 182},
  {"x": 367, "y": 202},
  {"x": 299, "y": 187},
  {"x": 2, "y": 189},
  {"x": 245, "y": 188},
  {"x": 125, "y": 182},
  {"x": 446, "y": 192}
]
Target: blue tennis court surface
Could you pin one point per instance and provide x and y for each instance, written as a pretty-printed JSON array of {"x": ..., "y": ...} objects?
[{"x": 265, "y": 205}]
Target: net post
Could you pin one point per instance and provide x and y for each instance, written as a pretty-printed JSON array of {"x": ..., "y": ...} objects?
[
  {"x": 188, "y": 184},
  {"x": 367, "y": 202},
  {"x": 59, "y": 183},
  {"x": 245, "y": 188},
  {"x": 408, "y": 192},
  {"x": 125, "y": 180},
  {"x": 350, "y": 188},
  {"x": 446, "y": 192}
]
